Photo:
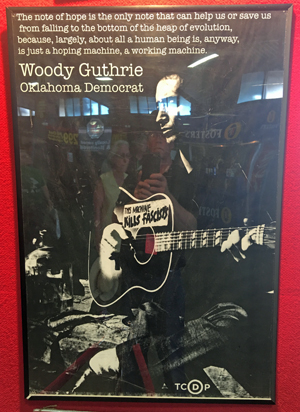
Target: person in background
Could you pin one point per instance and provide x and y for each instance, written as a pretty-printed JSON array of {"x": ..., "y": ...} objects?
[
  {"x": 159, "y": 315},
  {"x": 107, "y": 188},
  {"x": 138, "y": 147},
  {"x": 37, "y": 204}
]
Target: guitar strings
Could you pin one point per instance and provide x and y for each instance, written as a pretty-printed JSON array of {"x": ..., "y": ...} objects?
[
  {"x": 206, "y": 232},
  {"x": 201, "y": 237},
  {"x": 210, "y": 231}
]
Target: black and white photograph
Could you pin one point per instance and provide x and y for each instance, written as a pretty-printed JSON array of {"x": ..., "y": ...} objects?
[{"x": 149, "y": 145}]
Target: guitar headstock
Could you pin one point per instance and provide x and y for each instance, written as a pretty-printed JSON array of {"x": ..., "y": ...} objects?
[{"x": 270, "y": 235}]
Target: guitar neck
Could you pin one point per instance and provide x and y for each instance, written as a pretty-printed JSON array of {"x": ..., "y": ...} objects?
[{"x": 197, "y": 239}]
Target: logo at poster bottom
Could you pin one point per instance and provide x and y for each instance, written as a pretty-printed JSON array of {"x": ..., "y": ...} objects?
[{"x": 194, "y": 387}]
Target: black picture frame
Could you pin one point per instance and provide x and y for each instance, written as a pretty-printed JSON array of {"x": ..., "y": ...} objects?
[{"x": 91, "y": 86}]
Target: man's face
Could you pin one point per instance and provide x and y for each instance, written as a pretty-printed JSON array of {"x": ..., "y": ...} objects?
[
  {"x": 158, "y": 144},
  {"x": 166, "y": 99}
]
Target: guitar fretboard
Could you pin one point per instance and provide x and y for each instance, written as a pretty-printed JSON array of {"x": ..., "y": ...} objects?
[{"x": 197, "y": 239}]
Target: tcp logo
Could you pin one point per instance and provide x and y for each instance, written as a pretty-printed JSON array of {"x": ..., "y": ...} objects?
[{"x": 194, "y": 387}]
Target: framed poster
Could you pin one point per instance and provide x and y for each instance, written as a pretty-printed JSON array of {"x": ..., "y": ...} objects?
[{"x": 149, "y": 149}]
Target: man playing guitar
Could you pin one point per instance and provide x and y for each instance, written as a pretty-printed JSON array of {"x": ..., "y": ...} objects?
[{"x": 159, "y": 316}]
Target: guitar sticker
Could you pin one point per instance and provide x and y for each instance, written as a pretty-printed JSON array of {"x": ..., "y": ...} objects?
[{"x": 154, "y": 213}]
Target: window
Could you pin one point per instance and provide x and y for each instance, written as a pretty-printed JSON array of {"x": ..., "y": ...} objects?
[
  {"x": 22, "y": 111},
  {"x": 146, "y": 105},
  {"x": 260, "y": 85},
  {"x": 76, "y": 106},
  {"x": 86, "y": 106},
  {"x": 185, "y": 107},
  {"x": 71, "y": 107},
  {"x": 133, "y": 104},
  {"x": 274, "y": 85},
  {"x": 142, "y": 104},
  {"x": 251, "y": 87}
]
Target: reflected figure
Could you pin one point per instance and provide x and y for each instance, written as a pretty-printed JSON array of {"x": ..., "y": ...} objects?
[
  {"x": 37, "y": 205},
  {"x": 42, "y": 232},
  {"x": 107, "y": 188},
  {"x": 167, "y": 320},
  {"x": 138, "y": 147}
]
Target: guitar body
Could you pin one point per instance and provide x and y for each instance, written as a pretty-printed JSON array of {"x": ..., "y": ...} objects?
[
  {"x": 143, "y": 259},
  {"x": 142, "y": 267}
]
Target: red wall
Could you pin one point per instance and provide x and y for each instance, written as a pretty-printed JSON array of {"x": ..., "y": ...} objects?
[{"x": 288, "y": 354}]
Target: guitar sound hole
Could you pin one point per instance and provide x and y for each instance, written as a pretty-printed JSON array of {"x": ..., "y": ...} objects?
[{"x": 144, "y": 245}]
